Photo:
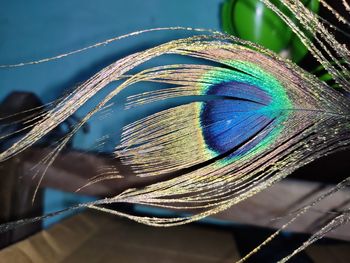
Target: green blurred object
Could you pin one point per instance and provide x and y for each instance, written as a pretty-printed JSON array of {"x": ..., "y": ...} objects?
[
  {"x": 252, "y": 20},
  {"x": 325, "y": 76}
]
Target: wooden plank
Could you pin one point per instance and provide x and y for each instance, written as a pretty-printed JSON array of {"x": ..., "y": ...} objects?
[
  {"x": 97, "y": 237},
  {"x": 72, "y": 169},
  {"x": 285, "y": 197}
]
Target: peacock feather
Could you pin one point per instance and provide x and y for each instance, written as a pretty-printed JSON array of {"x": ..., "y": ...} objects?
[{"x": 247, "y": 119}]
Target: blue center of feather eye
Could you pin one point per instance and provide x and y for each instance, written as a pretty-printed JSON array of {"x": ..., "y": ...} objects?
[{"x": 233, "y": 121}]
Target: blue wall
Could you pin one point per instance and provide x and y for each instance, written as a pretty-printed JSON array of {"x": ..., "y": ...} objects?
[{"x": 31, "y": 30}]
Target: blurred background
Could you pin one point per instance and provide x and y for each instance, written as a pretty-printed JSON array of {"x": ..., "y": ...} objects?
[{"x": 39, "y": 29}]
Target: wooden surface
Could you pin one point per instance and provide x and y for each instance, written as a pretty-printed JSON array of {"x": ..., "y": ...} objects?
[
  {"x": 98, "y": 238},
  {"x": 93, "y": 237},
  {"x": 72, "y": 169},
  {"x": 285, "y": 197}
]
